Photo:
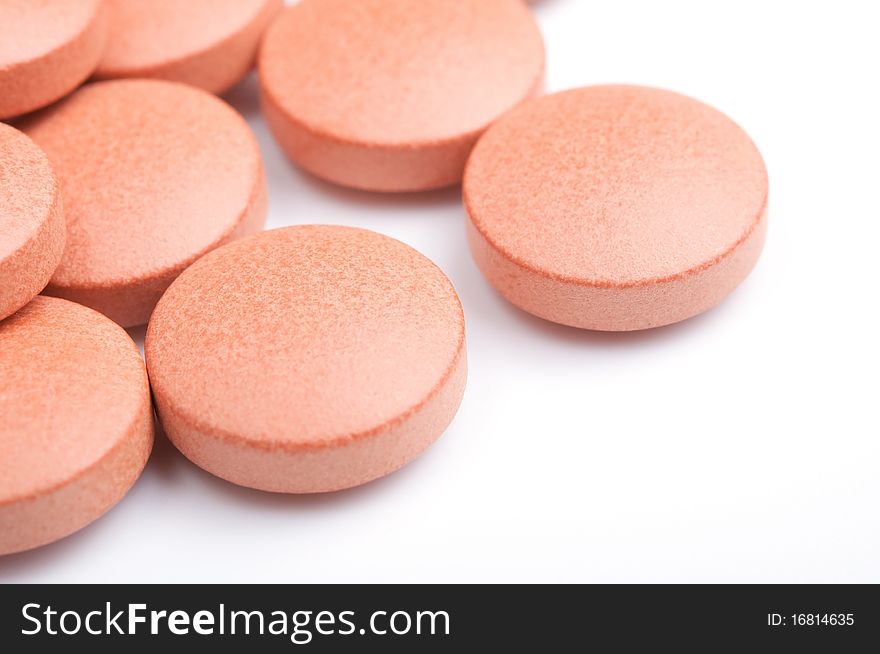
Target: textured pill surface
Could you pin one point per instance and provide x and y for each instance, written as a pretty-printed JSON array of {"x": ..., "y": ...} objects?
[
  {"x": 616, "y": 207},
  {"x": 391, "y": 95},
  {"x": 47, "y": 48},
  {"x": 77, "y": 422},
  {"x": 211, "y": 44},
  {"x": 153, "y": 175},
  {"x": 32, "y": 230},
  {"x": 307, "y": 359}
]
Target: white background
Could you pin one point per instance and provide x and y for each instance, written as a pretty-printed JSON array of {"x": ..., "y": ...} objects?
[{"x": 742, "y": 445}]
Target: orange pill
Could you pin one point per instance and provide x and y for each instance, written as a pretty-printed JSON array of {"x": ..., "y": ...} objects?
[
  {"x": 153, "y": 174},
  {"x": 391, "y": 95},
  {"x": 307, "y": 359},
  {"x": 77, "y": 422},
  {"x": 616, "y": 207},
  {"x": 47, "y": 49},
  {"x": 32, "y": 227},
  {"x": 211, "y": 44}
]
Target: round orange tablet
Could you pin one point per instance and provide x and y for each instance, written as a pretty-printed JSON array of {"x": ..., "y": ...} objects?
[
  {"x": 307, "y": 359},
  {"x": 153, "y": 174},
  {"x": 32, "y": 227},
  {"x": 46, "y": 50},
  {"x": 391, "y": 95},
  {"x": 211, "y": 44},
  {"x": 616, "y": 207},
  {"x": 77, "y": 422}
]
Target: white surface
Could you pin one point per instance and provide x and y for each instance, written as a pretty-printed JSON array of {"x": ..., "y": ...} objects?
[{"x": 739, "y": 446}]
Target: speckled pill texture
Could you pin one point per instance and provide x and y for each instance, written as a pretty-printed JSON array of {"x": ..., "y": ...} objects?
[
  {"x": 616, "y": 207},
  {"x": 47, "y": 49},
  {"x": 32, "y": 230},
  {"x": 391, "y": 95},
  {"x": 307, "y": 359},
  {"x": 210, "y": 44},
  {"x": 77, "y": 421},
  {"x": 153, "y": 174}
]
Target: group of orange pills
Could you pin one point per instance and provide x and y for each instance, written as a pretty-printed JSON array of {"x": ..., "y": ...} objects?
[{"x": 312, "y": 358}]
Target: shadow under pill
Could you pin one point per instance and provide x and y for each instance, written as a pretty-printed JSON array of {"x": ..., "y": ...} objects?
[
  {"x": 137, "y": 335},
  {"x": 165, "y": 457},
  {"x": 167, "y": 464},
  {"x": 482, "y": 303},
  {"x": 439, "y": 198},
  {"x": 245, "y": 96},
  {"x": 26, "y": 564},
  {"x": 565, "y": 333}
]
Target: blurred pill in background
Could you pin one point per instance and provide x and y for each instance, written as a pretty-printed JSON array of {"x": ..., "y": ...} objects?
[
  {"x": 391, "y": 95},
  {"x": 210, "y": 44},
  {"x": 47, "y": 49}
]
